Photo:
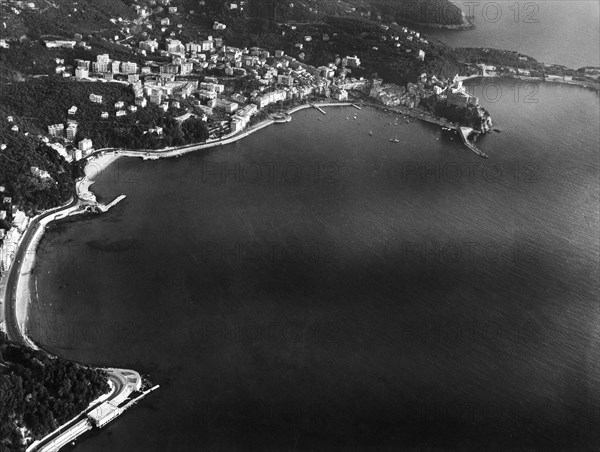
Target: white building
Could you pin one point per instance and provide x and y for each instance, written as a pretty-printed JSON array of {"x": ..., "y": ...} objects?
[
  {"x": 353, "y": 61},
  {"x": 141, "y": 102},
  {"x": 81, "y": 72},
  {"x": 341, "y": 95},
  {"x": 71, "y": 131},
  {"x": 127, "y": 67},
  {"x": 225, "y": 105},
  {"x": 85, "y": 145},
  {"x": 56, "y": 130},
  {"x": 103, "y": 58}
]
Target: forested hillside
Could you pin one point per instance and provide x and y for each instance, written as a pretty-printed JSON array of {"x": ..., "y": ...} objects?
[{"x": 39, "y": 393}]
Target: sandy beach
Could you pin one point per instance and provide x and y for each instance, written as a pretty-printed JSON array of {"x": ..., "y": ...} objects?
[
  {"x": 94, "y": 167},
  {"x": 25, "y": 290}
]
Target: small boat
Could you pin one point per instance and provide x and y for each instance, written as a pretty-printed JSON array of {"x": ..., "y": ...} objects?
[
  {"x": 407, "y": 121},
  {"x": 371, "y": 132}
]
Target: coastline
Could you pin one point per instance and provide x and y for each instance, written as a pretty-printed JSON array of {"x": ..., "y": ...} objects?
[
  {"x": 19, "y": 298},
  {"x": 100, "y": 159},
  {"x": 25, "y": 294},
  {"x": 585, "y": 85},
  {"x": 97, "y": 162}
]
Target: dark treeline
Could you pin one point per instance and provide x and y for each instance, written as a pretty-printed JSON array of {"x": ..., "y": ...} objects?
[
  {"x": 32, "y": 57},
  {"x": 45, "y": 101},
  {"x": 29, "y": 192},
  {"x": 87, "y": 16},
  {"x": 40, "y": 102},
  {"x": 40, "y": 393}
]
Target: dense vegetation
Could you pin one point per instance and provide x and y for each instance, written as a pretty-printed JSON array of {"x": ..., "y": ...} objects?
[
  {"x": 28, "y": 192},
  {"x": 39, "y": 102},
  {"x": 436, "y": 12},
  {"x": 40, "y": 393},
  {"x": 66, "y": 17},
  {"x": 45, "y": 101},
  {"x": 355, "y": 36}
]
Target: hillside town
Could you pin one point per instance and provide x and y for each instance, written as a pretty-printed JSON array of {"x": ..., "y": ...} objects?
[
  {"x": 197, "y": 78},
  {"x": 275, "y": 78}
]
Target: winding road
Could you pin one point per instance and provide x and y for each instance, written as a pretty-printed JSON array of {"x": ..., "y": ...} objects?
[{"x": 12, "y": 329}]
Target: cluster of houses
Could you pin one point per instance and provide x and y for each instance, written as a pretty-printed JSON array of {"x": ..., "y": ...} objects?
[
  {"x": 279, "y": 77},
  {"x": 410, "y": 96},
  {"x": 13, "y": 223},
  {"x": 392, "y": 95},
  {"x": 68, "y": 134}
]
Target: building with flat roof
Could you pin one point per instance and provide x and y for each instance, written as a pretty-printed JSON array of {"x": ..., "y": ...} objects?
[
  {"x": 71, "y": 131},
  {"x": 85, "y": 145}
]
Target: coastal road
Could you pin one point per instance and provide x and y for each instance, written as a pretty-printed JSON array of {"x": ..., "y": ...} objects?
[
  {"x": 123, "y": 382},
  {"x": 11, "y": 326}
]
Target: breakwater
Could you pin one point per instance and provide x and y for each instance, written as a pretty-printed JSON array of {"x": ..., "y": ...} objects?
[{"x": 465, "y": 132}]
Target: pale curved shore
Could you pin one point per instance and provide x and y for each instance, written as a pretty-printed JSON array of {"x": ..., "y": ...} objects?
[
  {"x": 25, "y": 294},
  {"x": 97, "y": 163},
  {"x": 586, "y": 85}
]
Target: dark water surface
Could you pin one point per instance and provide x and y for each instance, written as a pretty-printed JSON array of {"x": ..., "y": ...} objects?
[
  {"x": 552, "y": 31},
  {"x": 333, "y": 289}
]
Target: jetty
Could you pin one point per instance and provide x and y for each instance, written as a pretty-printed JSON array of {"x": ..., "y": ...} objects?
[
  {"x": 465, "y": 132},
  {"x": 103, "y": 208},
  {"x": 320, "y": 109}
]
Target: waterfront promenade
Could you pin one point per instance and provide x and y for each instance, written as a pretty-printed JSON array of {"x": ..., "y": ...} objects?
[
  {"x": 15, "y": 304},
  {"x": 16, "y": 290}
]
